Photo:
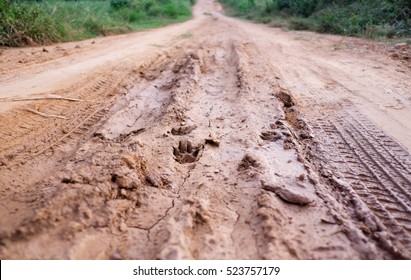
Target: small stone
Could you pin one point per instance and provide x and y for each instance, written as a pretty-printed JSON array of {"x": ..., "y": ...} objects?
[
  {"x": 126, "y": 182},
  {"x": 45, "y": 50},
  {"x": 123, "y": 227}
]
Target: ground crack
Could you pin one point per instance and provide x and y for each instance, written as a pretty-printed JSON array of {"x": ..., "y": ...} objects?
[
  {"x": 159, "y": 220},
  {"x": 232, "y": 232}
]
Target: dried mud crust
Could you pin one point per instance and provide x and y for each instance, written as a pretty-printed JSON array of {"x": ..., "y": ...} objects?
[{"x": 195, "y": 154}]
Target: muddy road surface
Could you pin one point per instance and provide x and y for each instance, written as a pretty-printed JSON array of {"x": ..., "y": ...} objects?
[{"x": 211, "y": 139}]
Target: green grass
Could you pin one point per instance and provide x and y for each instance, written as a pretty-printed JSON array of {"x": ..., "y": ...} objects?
[
  {"x": 369, "y": 18},
  {"x": 41, "y": 22}
]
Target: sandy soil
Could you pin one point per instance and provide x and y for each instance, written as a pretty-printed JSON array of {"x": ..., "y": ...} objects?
[{"x": 211, "y": 139}]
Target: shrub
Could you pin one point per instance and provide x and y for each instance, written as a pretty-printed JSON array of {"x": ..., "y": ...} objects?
[
  {"x": 170, "y": 10},
  {"x": 154, "y": 10},
  {"x": 303, "y": 7},
  {"x": 25, "y": 24},
  {"x": 117, "y": 4},
  {"x": 349, "y": 17}
]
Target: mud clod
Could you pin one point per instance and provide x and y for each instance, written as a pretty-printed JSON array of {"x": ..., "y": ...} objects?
[
  {"x": 288, "y": 146},
  {"x": 286, "y": 98},
  {"x": 157, "y": 181},
  {"x": 68, "y": 180},
  {"x": 124, "y": 136},
  {"x": 199, "y": 218},
  {"x": 183, "y": 130},
  {"x": 305, "y": 135},
  {"x": 99, "y": 135},
  {"x": 248, "y": 162},
  {"x": 212, "y": 142},
  {"x": 270, "y": 136},
  {"x": 289, "y": 194}
]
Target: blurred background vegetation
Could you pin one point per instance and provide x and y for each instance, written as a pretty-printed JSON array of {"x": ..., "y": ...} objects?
[
  {"x": 370, "y": 18},
  {"x": 28, "y": 22}
]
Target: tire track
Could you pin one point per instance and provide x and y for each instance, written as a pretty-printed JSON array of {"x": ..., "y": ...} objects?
[
  {"x": 400, "y": 157},
  {"x": 43, "y": 133},
  {"x": 387, "y": 164},
  {"x": 377, "y": 173}
]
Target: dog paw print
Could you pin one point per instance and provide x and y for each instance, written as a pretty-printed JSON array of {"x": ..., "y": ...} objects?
[{"x": 186, "y": 152}]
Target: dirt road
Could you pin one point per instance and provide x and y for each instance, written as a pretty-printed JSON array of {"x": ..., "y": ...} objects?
[{"x": 211, "y": 139}]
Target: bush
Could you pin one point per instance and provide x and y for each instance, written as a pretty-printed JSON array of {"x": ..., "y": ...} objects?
[
  {"x": 176, "y": 10},
  {"x": 349, "y": 17},
  {"x": 117, "y": 4},
  {"x": 24, "y": 24},
  {"x": 304, "y": 7},
  {"x": 154, "y": 10},
  {"x": 363, "y": 18}
]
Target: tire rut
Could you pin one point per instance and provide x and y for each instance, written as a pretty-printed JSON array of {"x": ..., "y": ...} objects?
[
  {"x": 200, "y": 151},
  {"x": 45, "y": 134},
  {"x": 377, "y": 174}
]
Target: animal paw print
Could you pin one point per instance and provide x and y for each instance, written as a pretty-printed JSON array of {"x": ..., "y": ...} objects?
[{"x": 187, "y": 153}]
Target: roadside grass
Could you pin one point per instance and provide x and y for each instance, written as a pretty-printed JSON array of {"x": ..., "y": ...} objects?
[
  {"x": 41, "y": 22},
  {"x": 364, "y": 18}
]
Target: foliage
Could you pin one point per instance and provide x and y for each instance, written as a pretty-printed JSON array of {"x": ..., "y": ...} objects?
[
  {"x": 371, "y": 18},
  {"x": 26, "y": 22},
  {"x": 117, "y": 4}
]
